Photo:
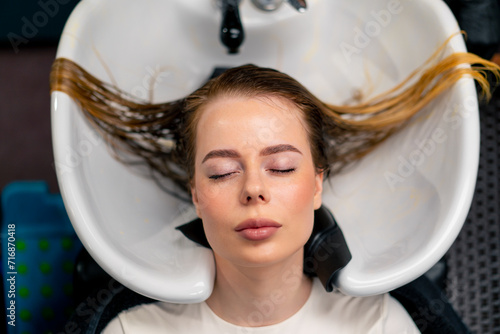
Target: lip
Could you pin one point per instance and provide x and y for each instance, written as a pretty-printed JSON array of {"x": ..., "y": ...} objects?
[{"x": 257, "y": 229}]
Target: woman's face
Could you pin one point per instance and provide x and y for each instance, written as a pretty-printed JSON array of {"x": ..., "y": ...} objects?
[{"x": 255, "y": 185}]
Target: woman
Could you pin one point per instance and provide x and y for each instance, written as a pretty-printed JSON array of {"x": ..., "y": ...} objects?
[{"x": 252, "y": 147}]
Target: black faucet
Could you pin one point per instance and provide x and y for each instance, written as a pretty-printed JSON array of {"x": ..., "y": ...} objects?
[{"x": 231, "y": 31}]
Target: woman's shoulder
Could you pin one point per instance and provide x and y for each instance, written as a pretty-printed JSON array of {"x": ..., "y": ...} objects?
[
  {"x": 156, "y": 309},
  {"x": 370, "y": 314},
  {"x": 323, "y": 312},
  {"x": 153, "y": 318},
  {"x": 349, "y": 310}
]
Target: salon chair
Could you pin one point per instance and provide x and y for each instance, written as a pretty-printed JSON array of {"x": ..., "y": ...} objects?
[
  {"x": 473, "y": 278},
  {"x": 101, "y": 299}
]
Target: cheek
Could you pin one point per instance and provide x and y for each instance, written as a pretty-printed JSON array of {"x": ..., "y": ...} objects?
[
  {"x": 299, "y": 196},
  {"x": 206, "y": 194},
  {"x": 212, "y": 199},
  {"x": 212, "y": 208},
  {"x": 299, "y": 203}
]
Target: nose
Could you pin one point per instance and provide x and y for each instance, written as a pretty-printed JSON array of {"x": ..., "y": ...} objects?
[{"x": 254, "y": 189}]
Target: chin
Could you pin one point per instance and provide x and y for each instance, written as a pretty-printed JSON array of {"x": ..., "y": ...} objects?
[{"x": 264, "y": 254}]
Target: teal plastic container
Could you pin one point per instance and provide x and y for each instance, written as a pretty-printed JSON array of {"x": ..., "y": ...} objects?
[{"x": 39, "y": 248}]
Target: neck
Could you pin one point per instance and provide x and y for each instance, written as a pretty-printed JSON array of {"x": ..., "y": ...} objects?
[{"x": 259, "y": 296}]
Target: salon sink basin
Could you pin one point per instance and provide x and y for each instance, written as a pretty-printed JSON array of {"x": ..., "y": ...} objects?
[{"x": 400, "y": 208}]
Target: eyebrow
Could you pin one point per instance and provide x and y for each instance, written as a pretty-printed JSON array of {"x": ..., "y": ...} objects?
[
  {"x": 278, "y": 149},
  {"x": 264, "y": 152},
  {"x": 221, "y": 154}
]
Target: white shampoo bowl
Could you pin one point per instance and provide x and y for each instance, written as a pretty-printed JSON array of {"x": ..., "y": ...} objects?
[{"x": 400, "y": 208}]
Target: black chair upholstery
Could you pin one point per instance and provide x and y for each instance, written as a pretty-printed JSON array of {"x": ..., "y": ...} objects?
[{"x": 473, "y": 280}]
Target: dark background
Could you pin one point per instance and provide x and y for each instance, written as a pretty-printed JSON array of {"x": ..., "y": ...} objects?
[{"x": 27, "y": 51}]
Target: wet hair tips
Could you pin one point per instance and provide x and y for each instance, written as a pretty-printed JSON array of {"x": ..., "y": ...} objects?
[{"x": 163, "y": 135}]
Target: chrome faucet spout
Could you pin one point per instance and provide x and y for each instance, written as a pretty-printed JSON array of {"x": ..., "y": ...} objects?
[{"x": 231, "y": 32}]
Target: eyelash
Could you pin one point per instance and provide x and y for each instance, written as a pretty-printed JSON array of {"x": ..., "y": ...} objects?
[
  {"x": 283, "y": 171},
  {"x": 218, "y": 177}
]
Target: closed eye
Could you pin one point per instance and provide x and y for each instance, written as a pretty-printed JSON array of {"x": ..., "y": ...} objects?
[
  {"x": 283, "y": 171},
  {"x": 220, "y": 176}
]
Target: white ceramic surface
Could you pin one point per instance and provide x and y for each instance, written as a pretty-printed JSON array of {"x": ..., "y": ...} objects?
[{"x": 400, "y": 208}]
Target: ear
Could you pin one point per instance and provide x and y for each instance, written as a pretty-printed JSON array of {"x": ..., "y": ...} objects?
[
  {"x": 318, "y": 190},
  {"x": 194, "y": 198}
]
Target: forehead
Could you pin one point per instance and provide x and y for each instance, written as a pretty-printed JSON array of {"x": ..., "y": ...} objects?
[
  {"x": 268, "y": 103},
  {"x": 255, "y": 121}
]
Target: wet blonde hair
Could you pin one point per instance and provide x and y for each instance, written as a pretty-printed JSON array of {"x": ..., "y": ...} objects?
[{"x": 163, "y": 135}]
